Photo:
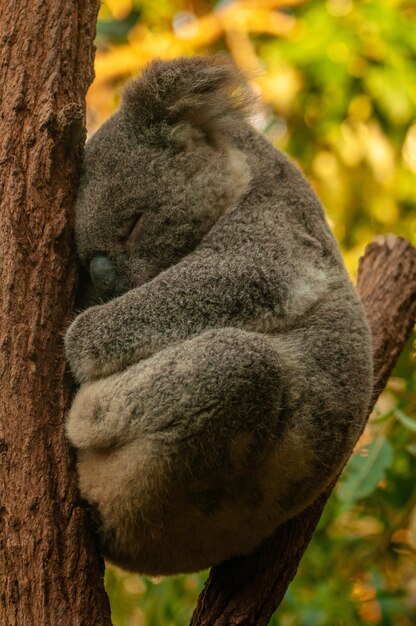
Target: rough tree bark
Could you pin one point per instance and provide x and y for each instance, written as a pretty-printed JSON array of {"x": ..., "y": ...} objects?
[
  {"x": 246, "y": 591},
  {"x": 50, "y": 570}
]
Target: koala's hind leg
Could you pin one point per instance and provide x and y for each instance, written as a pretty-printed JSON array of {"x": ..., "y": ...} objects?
[
  {"x": 230, "y": 377},
  {"x": 179, "y": 441}
]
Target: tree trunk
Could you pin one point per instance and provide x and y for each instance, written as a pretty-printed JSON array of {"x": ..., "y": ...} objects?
[
  {"x": 50, "y": 570},
  {"x": 247, "y": 590}
]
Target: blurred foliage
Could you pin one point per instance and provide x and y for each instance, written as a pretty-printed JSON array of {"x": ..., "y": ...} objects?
[{"x": 337, "y": 80}]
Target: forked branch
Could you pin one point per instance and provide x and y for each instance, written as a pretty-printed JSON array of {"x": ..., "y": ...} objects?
[{"x": 247, "y": 590}]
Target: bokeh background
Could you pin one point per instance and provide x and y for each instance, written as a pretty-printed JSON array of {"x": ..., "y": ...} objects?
[{"x": 336, "y": 80}]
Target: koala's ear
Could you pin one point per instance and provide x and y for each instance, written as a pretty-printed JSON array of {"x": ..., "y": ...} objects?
[{"x": 202, "y": 94}]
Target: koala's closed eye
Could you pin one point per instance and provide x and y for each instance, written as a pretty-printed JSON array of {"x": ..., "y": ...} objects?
[{"x": 133, "y": 228}]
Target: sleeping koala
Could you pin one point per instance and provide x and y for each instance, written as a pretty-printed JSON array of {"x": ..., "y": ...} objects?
[{"x": 226, "y": 372}]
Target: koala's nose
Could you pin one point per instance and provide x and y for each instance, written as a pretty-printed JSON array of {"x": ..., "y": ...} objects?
[{"x": 103, "y": 275}]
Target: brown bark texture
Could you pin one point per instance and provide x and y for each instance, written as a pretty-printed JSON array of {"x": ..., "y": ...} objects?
[
  {"x": 50, "y": 570},
  {"x": 247, "y": 590}
]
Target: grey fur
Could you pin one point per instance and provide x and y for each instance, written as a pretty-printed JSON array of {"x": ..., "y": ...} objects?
[{"x": 227, "y": 378}]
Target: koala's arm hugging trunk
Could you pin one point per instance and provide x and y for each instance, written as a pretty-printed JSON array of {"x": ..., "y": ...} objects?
[{"x": 206, "y": 291}]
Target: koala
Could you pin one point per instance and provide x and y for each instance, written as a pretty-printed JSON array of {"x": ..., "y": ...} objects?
[{"x": 225, "y": 366}]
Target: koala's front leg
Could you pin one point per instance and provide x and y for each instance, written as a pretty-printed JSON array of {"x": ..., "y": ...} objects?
[{"x": 204, "y": 291}]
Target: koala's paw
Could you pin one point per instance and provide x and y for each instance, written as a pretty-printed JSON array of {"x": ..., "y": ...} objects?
[
  {"x": 81, "y": 424},
  {"x": 91, "y": 423},
  {"x": 98, "y": 418},
  {"x": 82, "y": 355}
]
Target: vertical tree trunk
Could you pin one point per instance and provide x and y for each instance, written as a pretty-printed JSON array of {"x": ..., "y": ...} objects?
[{"x": 50, "y": 570}]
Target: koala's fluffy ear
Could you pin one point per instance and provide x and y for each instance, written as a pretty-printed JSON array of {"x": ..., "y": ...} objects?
[{"x": 205, "y": 94}]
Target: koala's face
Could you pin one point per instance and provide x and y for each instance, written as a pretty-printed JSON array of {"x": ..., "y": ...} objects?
[{"x": 144, "y": 204}]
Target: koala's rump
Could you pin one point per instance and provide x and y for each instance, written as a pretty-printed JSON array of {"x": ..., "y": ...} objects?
[{"x": 155, "y": 522}]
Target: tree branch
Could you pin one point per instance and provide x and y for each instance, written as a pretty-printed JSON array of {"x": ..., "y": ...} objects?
[{"x": 247, "y": 590}]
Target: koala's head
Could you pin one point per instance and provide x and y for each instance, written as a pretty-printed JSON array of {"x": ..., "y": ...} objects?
[{"x": 160, "y": 172}]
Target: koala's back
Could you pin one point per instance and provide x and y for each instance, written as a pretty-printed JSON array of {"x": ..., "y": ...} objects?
[
  {"x": 310, "y": 310},
  {"x": 278, "y": 238}
]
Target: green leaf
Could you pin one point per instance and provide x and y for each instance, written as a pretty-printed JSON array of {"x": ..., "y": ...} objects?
[
  {"x": 365, "y": 471},
  {"x": 117, "y": 30},
  {"x": 405, "y": 420}
]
